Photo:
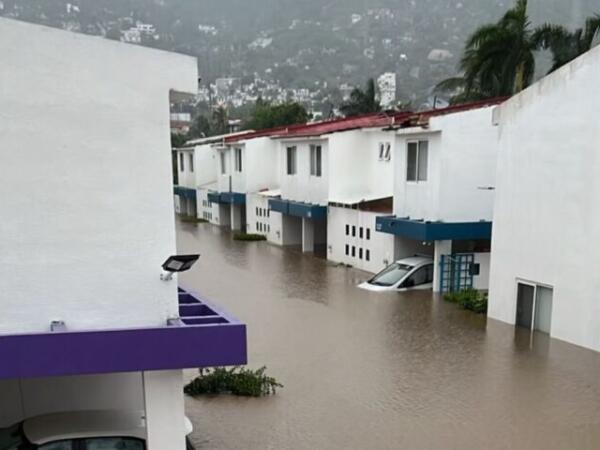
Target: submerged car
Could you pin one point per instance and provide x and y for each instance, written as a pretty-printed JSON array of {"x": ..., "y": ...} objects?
[
  {"x": 81, "y": 430},
  {"x": 406, "y": 274}
]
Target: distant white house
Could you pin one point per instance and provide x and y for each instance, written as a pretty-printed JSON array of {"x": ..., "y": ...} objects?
[
  {"x": 332, "y": 174},
  {"x": 445, "y": 172},
  {"x": 546, "y": 239},
  {"x": 387, "y": 89},
  {"x": 87, "y": 321}
]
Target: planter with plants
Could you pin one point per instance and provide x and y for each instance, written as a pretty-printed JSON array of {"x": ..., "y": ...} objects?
[
  {"x": 249, "y": 237},
  {"x": 470, "y": 299}
]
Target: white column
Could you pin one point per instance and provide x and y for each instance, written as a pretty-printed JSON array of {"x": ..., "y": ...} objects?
[
  {"x": 308, "y": 235},
  {"x": 440, "y": 248},
  {"x": 163, "y": 398},
  {"x": 236, "y": 217}
]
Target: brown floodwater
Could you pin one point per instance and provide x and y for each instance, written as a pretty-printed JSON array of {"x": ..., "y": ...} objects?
[{"x": 373, "y": 371}]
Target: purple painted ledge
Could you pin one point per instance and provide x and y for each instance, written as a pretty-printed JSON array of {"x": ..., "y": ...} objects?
[{"x": 205, "y": 336}]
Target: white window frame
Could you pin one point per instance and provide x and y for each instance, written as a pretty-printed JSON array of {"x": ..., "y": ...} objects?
[
  {"x": 316, "y": 160},
  {"x": 223, "y": 162},
  {"x": 238, "y": 155},
  {"x": 418, "y": 175},
  {"x": 181, "y": 162},
  {"x": 291, "y": 160},
  {"x": 385, "y": 151},
  {"x": 191, "y": 162}
]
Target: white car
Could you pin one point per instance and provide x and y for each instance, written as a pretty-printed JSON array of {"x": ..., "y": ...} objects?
[
  {"x": 80, "y": 430},
  {"x": 406, "y": 274}
]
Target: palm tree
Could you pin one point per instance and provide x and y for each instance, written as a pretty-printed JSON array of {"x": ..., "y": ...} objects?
[
  {"x": 498, "y": 59},
  {"x": 362, "y": 102},
  {"x": 220, "y": 120},
  {"x": 564, "y": 44}
]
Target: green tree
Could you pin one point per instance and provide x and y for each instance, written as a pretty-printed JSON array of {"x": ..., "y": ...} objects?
[
  {"x": 200, "y": 128},
  {"x": 178, "y": 140},
  {"x": 362, "y": 101},
  {"x": 498, "y": 59},
  {"x": 220, "y": 120},
  {"x": 266, "y": 115},
  {"x": 566, "y": 45}
]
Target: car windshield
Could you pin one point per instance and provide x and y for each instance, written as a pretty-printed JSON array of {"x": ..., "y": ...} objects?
[
  {"x": 391, "y": 275},
  {"x": 11, "y": 438}
]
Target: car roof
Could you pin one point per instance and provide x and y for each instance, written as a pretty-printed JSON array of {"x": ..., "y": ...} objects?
[
  {"x": 84, "y": 424},
  {"x": 415, "y": 260}
]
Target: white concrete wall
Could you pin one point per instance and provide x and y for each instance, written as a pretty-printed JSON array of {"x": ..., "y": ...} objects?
[
  {"x": 85, "y": 179},
  {"x": 463, "y": 150},
  {"x": 31, "y": 397},
  {"x": 482, "y": 281},
  {"x": 261, "y": 165},
  {"x": 303, "y": 187},
  {"x": 206, "y": 209},
  {"x": 379, "y": 245},
  {"x": 547, "y": 217},
  {"x": 355, "y": 170},
  {"x": 258, "y": 216},
  {"x": 275, "y": 235},
  {"x": 225, "y": 175},
  {"x": 206, "y": 165},
  {"x": 185, "y": 175}
]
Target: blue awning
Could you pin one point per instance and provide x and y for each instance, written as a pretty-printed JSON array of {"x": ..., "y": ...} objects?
[
  {"x": 185, "y": 192},
  {"x": 298, "y": 209},
  {"x": 227, "y": 198},
  {"x": 434, "y": 231}
]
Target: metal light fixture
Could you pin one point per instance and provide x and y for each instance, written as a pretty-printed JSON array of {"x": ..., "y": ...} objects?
[{"x": 176, "y": 264}]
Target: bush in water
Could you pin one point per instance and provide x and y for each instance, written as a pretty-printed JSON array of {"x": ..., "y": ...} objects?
[
  {"x": 235, "y": 381},
  {"x": 470, "y": 299}
]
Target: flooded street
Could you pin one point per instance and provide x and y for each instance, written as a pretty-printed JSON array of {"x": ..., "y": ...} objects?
[{"x": 373, "y": 371}]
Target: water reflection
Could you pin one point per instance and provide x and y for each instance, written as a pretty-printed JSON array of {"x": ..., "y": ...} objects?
[{"x": 381, "y": 371}]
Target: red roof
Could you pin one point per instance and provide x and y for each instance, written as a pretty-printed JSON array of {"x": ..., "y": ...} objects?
[{"x": 373, "y": 120}]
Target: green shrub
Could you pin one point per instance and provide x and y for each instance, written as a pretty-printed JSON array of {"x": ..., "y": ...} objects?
[
  {"x": 192, "y": 219},
  {"x": 470, "y": 299},
  {"x": 234, "y": 381},
  {"x": 249, "y": 237}
]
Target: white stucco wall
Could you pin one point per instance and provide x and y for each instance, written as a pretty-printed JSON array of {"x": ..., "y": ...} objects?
[
  {"x": 379, "y": 245},
  {"x": 463, "y": 151},
  {"x": 547, "y": 217},
  {"x": 85, "y": 179},
  {"x": 258, "y": 216},
  {"x": 186, "y": 172},
  {"x": 302, "y": 186},
  {"x": 355, "y": 170}
]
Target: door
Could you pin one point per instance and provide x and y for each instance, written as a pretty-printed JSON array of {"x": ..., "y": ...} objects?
[
  {"x": 543, "y": 309},
  {"x": 525, "y": 301},
  {"x": 534, "y": 307},
  {"x": 455, "y": 272}
]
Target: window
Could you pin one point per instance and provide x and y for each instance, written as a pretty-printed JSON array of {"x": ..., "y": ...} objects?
[
  {"x": 391, "y": 275},
  {"x": 181, "y": 163},
  {"x": 353, "y": 251},
  {"x": 223, "y": 157},
  {"x": 422, "y": 276},
  {"x": 353, "y": 231},
  {"x": 368, "y": 234},
  {"x": 347, "y": 249},
  {"x": 257, "y": 211},
  {"x": 114, "y": 444},
  {"x": 385, "y": 151},
  {"x": 368, "y": 255},
  {"x": 191, "y": 157},
  {"x": 360, "y": 251},
  {"x": 360, "y": 232},
  {"x": 347, "y": 230},
  {"x": 417, "y": 156},
  {"x": 291, "y": 160},
  {"x": 315, "y": 160},
  {"x": 238, "y": 159}
]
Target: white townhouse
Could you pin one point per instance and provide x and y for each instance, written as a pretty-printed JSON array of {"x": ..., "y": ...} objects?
[
  {"x": 445, "y": 173},
  {"x": 197, "y": 164},
  {"x": 88, "y": 327},
  {"x": 336, "y": 179},
  {"x": 546, "y": 239},
  {"x": 247, "y": 165}
]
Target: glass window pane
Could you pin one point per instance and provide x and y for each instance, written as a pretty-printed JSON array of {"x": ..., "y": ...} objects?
[
  {"x": 411, "y": 162},
  {"x": 318, "y": 162},
  {"x": 114, "y": 444},
  {"x": 423, "y": 160}
]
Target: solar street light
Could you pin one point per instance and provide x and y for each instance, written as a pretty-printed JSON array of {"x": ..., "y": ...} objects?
[{"x": 176, "y": 264}]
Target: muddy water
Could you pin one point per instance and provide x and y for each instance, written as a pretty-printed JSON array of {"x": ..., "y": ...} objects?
[{"x": 367, "y": 371}]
